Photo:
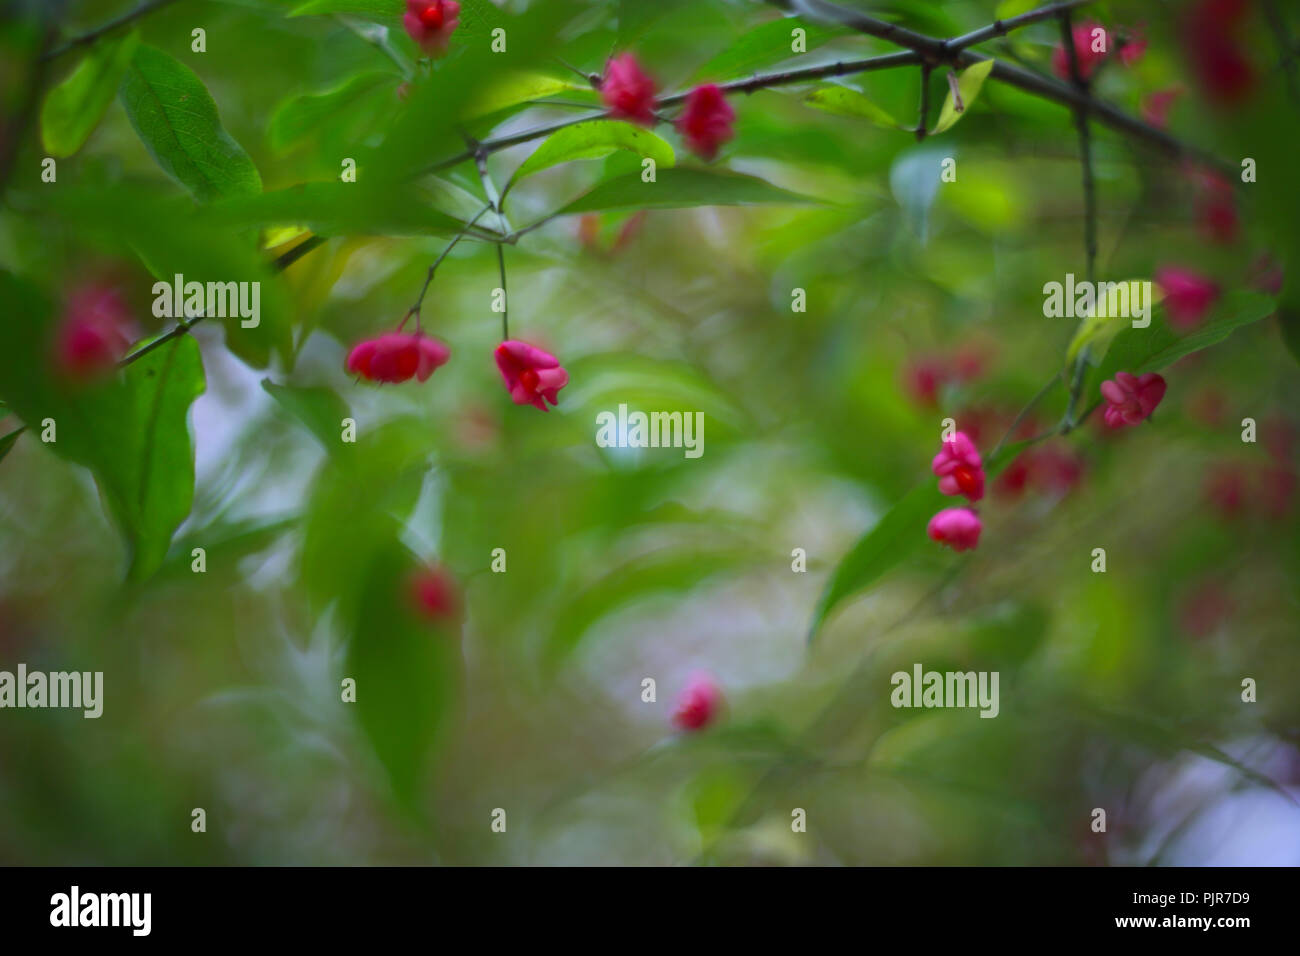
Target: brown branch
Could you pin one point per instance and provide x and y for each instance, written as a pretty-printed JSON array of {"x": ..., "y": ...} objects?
[{"x": 90, "y": 37}]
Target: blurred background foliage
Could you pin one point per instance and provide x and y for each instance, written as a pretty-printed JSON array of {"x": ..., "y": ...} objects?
[{"x": 222, "y": 689}]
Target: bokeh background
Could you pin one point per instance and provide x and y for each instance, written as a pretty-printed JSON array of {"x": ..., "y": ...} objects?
[{"x": 1119, "y": 690}]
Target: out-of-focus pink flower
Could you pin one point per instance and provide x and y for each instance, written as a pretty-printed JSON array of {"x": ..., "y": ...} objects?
[
  {"x": 1133, "y": 47},
  {"x": 958, "y": 528},
  {"x": 922, "y": 378},
  {"x": 1266, "y": 275},
  {"x": 1188, "y": 296},
  {"x": 1277, "y": 487},
  {"x": 1131, "y": 399},
  {"x": 1279, "y": 437},
  {"x": 1226, "y": 488},
  {"x": 628, "y": 91},
  {"x": 431, "y": 23},
  {"x": 1210, "y": 33},
  {"x": 532, "y": 377},
  {"x": 1216, "y": 206},
  {"x": 396, "y": 357},
  {"x": 1057, "y": 469},
  {"x": 95, "y": 332},
  {"x": 1083, "y": 51},
  {"x": 959, "y": 468},
  {"x": 1204, "y": 608},
  {"x": 699, "y": 704},
  {"x": 1156, "y": 106},
  {"x": 706, "y": 120},
  {"x": 435, "y": 594},
  {"x": 1014, "y": 478}
]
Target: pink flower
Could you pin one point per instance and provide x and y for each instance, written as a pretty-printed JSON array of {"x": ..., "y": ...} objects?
[
  {"x": 95, "y": 333},
  {"x": 431, "y": 23},
  {"x": 1083, "y": 52},
  {"x": 1131, "y": 399},
  {"x": 532, "y": 377},
  {"x": 1210, "y": 34},
  {"x": 435, "y": 594},
  {"x": 1266, "y": 275},
  {"x": 706, "y": 120},
  {"x": 628, "y": 91},
  {"x": 396, "y": 356},
  {"x": 1156, "y": 106},
  {"x": 1133, "y": 47},
  {"x": 958, "y": 528},
  {"x": 959, "y": 468},
  {"x": 1216, "y": 206},
  {"x": 1226, "y": 489},
  {"x": 699, "y": 703},
  {"x": 1188, "y": 296}
]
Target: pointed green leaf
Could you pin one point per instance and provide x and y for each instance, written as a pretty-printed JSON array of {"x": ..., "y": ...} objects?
[
  {"x": 676, "y": 188},
  {"x": 177, "y": 121},
  {"x": 843, "y": 101},
  {"x": 596, "y": 140},
  {"x": 969, "y": 84},
  {"x": 74, "y": 108}
]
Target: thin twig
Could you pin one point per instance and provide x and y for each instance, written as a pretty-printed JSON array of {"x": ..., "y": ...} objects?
[
  {"x": 1000, "y": 28},
  {"x": 90, "y": 37},
  {"x": 428, "y": 278},
  {"x": 923, "y": 109}
]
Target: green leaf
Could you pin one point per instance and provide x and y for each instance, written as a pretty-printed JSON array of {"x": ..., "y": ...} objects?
[
  {"x": 676, "y": 188},
  {"x": 1158, "y": 346},
  {"x": 764, "y": 45},
  {"x": 516, "y": 88},
  {"x": 347, "y": 108},
  {"x": 596, "y": 140},
  {"x": 1096, "y": 332},
  {"x": 1289, "y": 321},
  {"x": 407, "y": 671},
  {"x": 131, "y": 431},
  {"x": 177, "y": 121},
  {"x": 336, "y": 209},
  {"x": 895, "y": 536},
  {"x": 843, "y": 101},
  {"x": 381, "y": 11},
  {"x": 7, "y": 442},
  {"x": 969, "y": 84},
  {"x": 74, "y": 108},
  {"x": 317, "y": 407}
]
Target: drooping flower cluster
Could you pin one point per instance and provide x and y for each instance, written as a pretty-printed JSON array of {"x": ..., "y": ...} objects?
[
  {"x": 961, "y": 472},
  {"x": 532, "y": 376},
  {"x": 431, "y": 23}
]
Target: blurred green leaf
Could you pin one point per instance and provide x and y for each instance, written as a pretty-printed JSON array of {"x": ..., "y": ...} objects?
[
  {"x": 596, "y": 140},
  {"x": 382, "y": 11},
  {"x": 74, "y": 108},
  {"x": 1289, "y": 321},
  {"x": 317, "y": 407},
  {"x": 7, "y": 441},
  {"x": 132, "y": 432},
  {"x": 177, "y": 120},
  {"x": 679, "y": 187},
  {"x": 896, "y": 535},
  {"x": 914, "y": 181},
  {"x": 349, "y": 109},
  {"x": 843, "y": 101},
  {"x": 407, "y": 672},
  {"x": 969, "y": 84},
  {"x": 336, "y": 209},
  {"x": 516, "y": 88},
  {"x": 764, "y": 45}
]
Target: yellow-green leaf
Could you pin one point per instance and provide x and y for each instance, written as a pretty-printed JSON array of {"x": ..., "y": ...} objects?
[
  {"x": 596, "y": 140},
  {"x": 969, "y": 84}
]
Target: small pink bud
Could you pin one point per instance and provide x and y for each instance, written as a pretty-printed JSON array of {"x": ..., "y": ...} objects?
[
  {"x": 1188, "y": 296},
  {"x": 1130, "y": 399},
  {"x": 431, "y": 23},
  {"x": 628, "y": 91},
  {"x": 706, "y": 120},
  {"x": 958, "y": 528},
  {"x": 959, "y": 468},
  {"x": 699, "y": 703},
  {"x": 435, "y": 594}
]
